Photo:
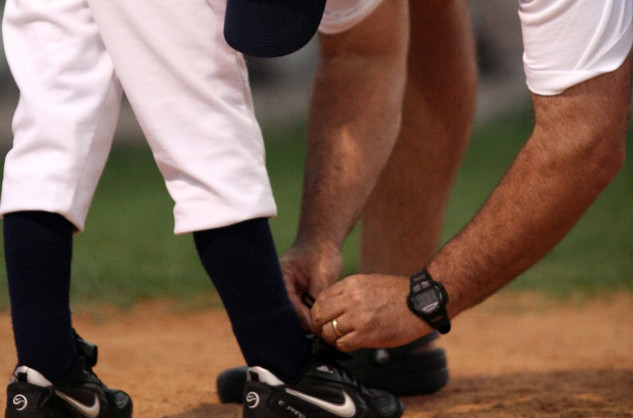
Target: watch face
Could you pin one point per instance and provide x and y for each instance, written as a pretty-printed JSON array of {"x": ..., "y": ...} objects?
[{"x": 426, "y": 301}]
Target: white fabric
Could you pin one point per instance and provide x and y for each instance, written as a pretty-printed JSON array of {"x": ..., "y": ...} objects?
[
  {"x": 567, "y": 42},
  {"x": 188, "y": 88},
  {"x": 341, "y": 15}
]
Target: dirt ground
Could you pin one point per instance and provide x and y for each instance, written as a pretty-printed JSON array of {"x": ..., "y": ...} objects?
[{"x": 513, "y": 356}]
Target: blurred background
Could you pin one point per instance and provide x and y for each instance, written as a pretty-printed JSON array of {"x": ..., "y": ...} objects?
[
  {"x": 129, "y": 252},
  {"x": 281, "y": 86}
]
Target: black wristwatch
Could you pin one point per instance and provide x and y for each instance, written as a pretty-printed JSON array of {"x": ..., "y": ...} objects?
[{"x": 427, "y": 299}]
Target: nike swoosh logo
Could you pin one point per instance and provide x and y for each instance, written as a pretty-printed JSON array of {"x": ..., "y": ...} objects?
[
  {"x": 89, "y": 411},
  {"x": 347, "y": 409}
]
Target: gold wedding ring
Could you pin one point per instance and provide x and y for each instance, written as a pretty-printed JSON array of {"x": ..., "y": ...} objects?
[{"x": 335, "y": 328}]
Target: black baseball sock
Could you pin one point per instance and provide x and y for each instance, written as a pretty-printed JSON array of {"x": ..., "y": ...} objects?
[
  {"x": 38, "y": 249},
  {"x": 242, "y": 262}
]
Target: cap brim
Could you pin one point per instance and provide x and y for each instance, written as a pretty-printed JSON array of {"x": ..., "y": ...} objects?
[{"x": 271, "y": 28}]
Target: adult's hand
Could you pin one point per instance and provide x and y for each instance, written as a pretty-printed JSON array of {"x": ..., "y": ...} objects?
[
  {"x": 370, "y": 311},
  {"x": 309, "y": 267}
]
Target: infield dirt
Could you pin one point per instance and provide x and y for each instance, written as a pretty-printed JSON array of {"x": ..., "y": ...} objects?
[{"x": 513, "y": 356}]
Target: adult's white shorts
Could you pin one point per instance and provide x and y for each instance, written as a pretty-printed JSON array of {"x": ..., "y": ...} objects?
[{"x": 567, "y": 42}]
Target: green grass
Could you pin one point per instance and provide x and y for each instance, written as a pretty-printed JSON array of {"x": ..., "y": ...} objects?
[{"x": 129, "y": 252}]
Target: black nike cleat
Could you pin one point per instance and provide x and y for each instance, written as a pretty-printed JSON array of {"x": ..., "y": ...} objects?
[
  {"x": 402, "y": 371},
  {"x": 324, "y": 390},
  {"x": 79, "y": 395}
]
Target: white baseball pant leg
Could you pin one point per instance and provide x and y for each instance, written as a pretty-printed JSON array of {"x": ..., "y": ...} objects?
[{"x": 190, "y": 93}]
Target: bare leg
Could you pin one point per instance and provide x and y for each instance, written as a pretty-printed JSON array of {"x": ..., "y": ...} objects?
[{"x": 402, "y": 222}]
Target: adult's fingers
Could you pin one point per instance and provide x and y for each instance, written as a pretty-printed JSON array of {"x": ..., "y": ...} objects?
[
  {"x": 329, "y": 305},
  {"x": 349, "y": 342},
  {"x": 336, "y": 328}
]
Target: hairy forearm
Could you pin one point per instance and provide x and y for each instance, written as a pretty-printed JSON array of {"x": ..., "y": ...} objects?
[
  {"x": 354, "y": 121},
  {"x": 530, "y": 211},
  {"x": 352, "y": 131},
  {"x": 576, "y": 149}
]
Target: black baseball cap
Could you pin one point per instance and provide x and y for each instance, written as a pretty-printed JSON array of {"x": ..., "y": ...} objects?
[{"x": 271, "y": 28}]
